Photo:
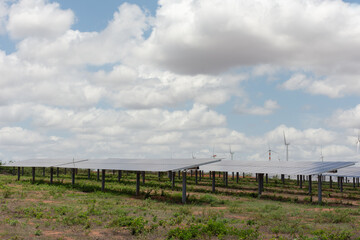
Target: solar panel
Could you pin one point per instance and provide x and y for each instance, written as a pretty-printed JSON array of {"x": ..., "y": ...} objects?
[
  {"x": 41, "y": 162},
  {"x": 287, "y": 168},
  {"x": 152, "y": 165},
  {"x": 156, "y": 165},
  {"x": 346, "y": 172}
]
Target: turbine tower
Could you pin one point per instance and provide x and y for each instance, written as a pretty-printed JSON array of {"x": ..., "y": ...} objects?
[
  {"x": 321, "y": 155},
  {"x": 287, "y": 147},
  {"x": 231, "y": 153},
  {"x": 270, "y": 151}
]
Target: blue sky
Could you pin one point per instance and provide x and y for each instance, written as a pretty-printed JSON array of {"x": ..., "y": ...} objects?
[{"x": 149, "y": 79}]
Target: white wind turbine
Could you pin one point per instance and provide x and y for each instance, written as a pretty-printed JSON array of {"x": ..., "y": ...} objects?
[
  {"x": 321, "y": 154},
  {"x": 231, "y": 153},
  {"x": 287, "y": 147}
]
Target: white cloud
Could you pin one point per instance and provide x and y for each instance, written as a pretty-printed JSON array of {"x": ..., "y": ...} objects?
[
  {"x": 328, "y": 87},
  {"x": 214, "y": 36},
  {"x": 269, "y": 107},
  {"x": 144, "y": 88},
  {"x": 349, "y": 118},
  {"x": 38, "y": 18},
  {"x": 17, "y": 136},
  {"x": 112, "y": 45}
]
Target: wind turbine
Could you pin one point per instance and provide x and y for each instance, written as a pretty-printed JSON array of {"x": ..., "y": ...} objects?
[
  {"x": 287, "y": 147},
  {"x": 213, "y": 153},
  {"x": 321, "y": 155},
  {"x": 231, "y": 153},
  {"x": 269, "y": 151}
]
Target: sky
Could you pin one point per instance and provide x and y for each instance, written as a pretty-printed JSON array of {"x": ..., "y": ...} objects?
[{"x": 149, "y": 79}]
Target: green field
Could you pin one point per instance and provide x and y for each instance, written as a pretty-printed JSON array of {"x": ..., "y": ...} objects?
[{"x": 63, "y": 211}]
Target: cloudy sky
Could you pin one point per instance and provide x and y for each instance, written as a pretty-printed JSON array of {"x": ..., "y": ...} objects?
[{"x": 172, "y": 78}]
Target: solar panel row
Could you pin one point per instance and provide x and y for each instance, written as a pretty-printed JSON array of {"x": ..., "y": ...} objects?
[
  {"x": 155, "y": 165},
  {"x": 206, "y": 164}
]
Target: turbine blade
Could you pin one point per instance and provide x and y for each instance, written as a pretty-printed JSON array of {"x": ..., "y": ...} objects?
[{"x": 284, "y": 138}]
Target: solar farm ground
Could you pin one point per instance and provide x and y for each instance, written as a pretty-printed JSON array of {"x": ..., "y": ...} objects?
[{"x": 62, "y": 211}]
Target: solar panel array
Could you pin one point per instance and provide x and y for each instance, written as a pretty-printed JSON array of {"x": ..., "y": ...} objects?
[
  {"x": 287, "y": 168},
  {"x": 352, "y": 171},
  {"x": 156, "y": 165}
]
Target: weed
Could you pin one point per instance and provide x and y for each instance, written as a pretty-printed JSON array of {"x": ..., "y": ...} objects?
[
  {"x": 38, "y": 232},
  {"x": 210, "y": 199},
  {"x": 329, "y": 235},
  {"x": 337, "y": 216},
  {"x": 137, "y": 226}
]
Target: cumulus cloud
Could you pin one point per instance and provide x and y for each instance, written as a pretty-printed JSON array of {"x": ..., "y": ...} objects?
[
  {"x": 38, "y": 18},
  {"x": 18, "y": 136},
  {"x": 269, "y": 107},
  {"x": 328, "y": 87},
  {"x": 346, "y": 118},
  {"x": 123, "y": 33},
  {"x": 145, "y": 88},
  {"x": 294, "y": 35}
]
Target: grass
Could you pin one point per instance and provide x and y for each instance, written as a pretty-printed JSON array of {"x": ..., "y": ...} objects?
[{"x": 62, "y": 211}]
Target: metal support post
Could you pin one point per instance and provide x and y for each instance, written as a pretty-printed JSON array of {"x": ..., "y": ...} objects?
[
  {"x": 260, "y": 177},
  {"x": 137, "y": 183},
  {"x": 267, "y": 178},
  {"x": 98, "y": 175},
  {"x": 51, "y": 175},
  {"x": 213, "y": 181},
  {"x": 89, "y": 174},
  {"x": 297, "y": 180},
  {"x": 33, "y": 174},
  {"x": 18, "y": 173},
  {"x": 143, "y": 177},
  {"x": 233, "y": 176},
  {"x": 201, "y": 173},
  {"x": 319, "y": 189},
  {"x": 73, "y": 176},
  {"x": 65, "y": 171},
  {"x": 283, "y": 178},
  {"x": 226, "y": 179},
  {"x": 43, "y": 173},
  {"x": 341, "y": 184},
  {"x": 310, "y": 188},
  {"x": 196, "y": 177},
  {"x": 173, "y": 180},
  {"x": 301, "y": 177},
  {"x": 103, "y": 180},
  {"x": 237, "y": 177},
  {"x": 330, "y": 182},
  {"x": 57, "y": 172},
  {"x": 119, "y": 175},
  {"x": 353, "y": 182},
  {"x": 184, "y": 188}
]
